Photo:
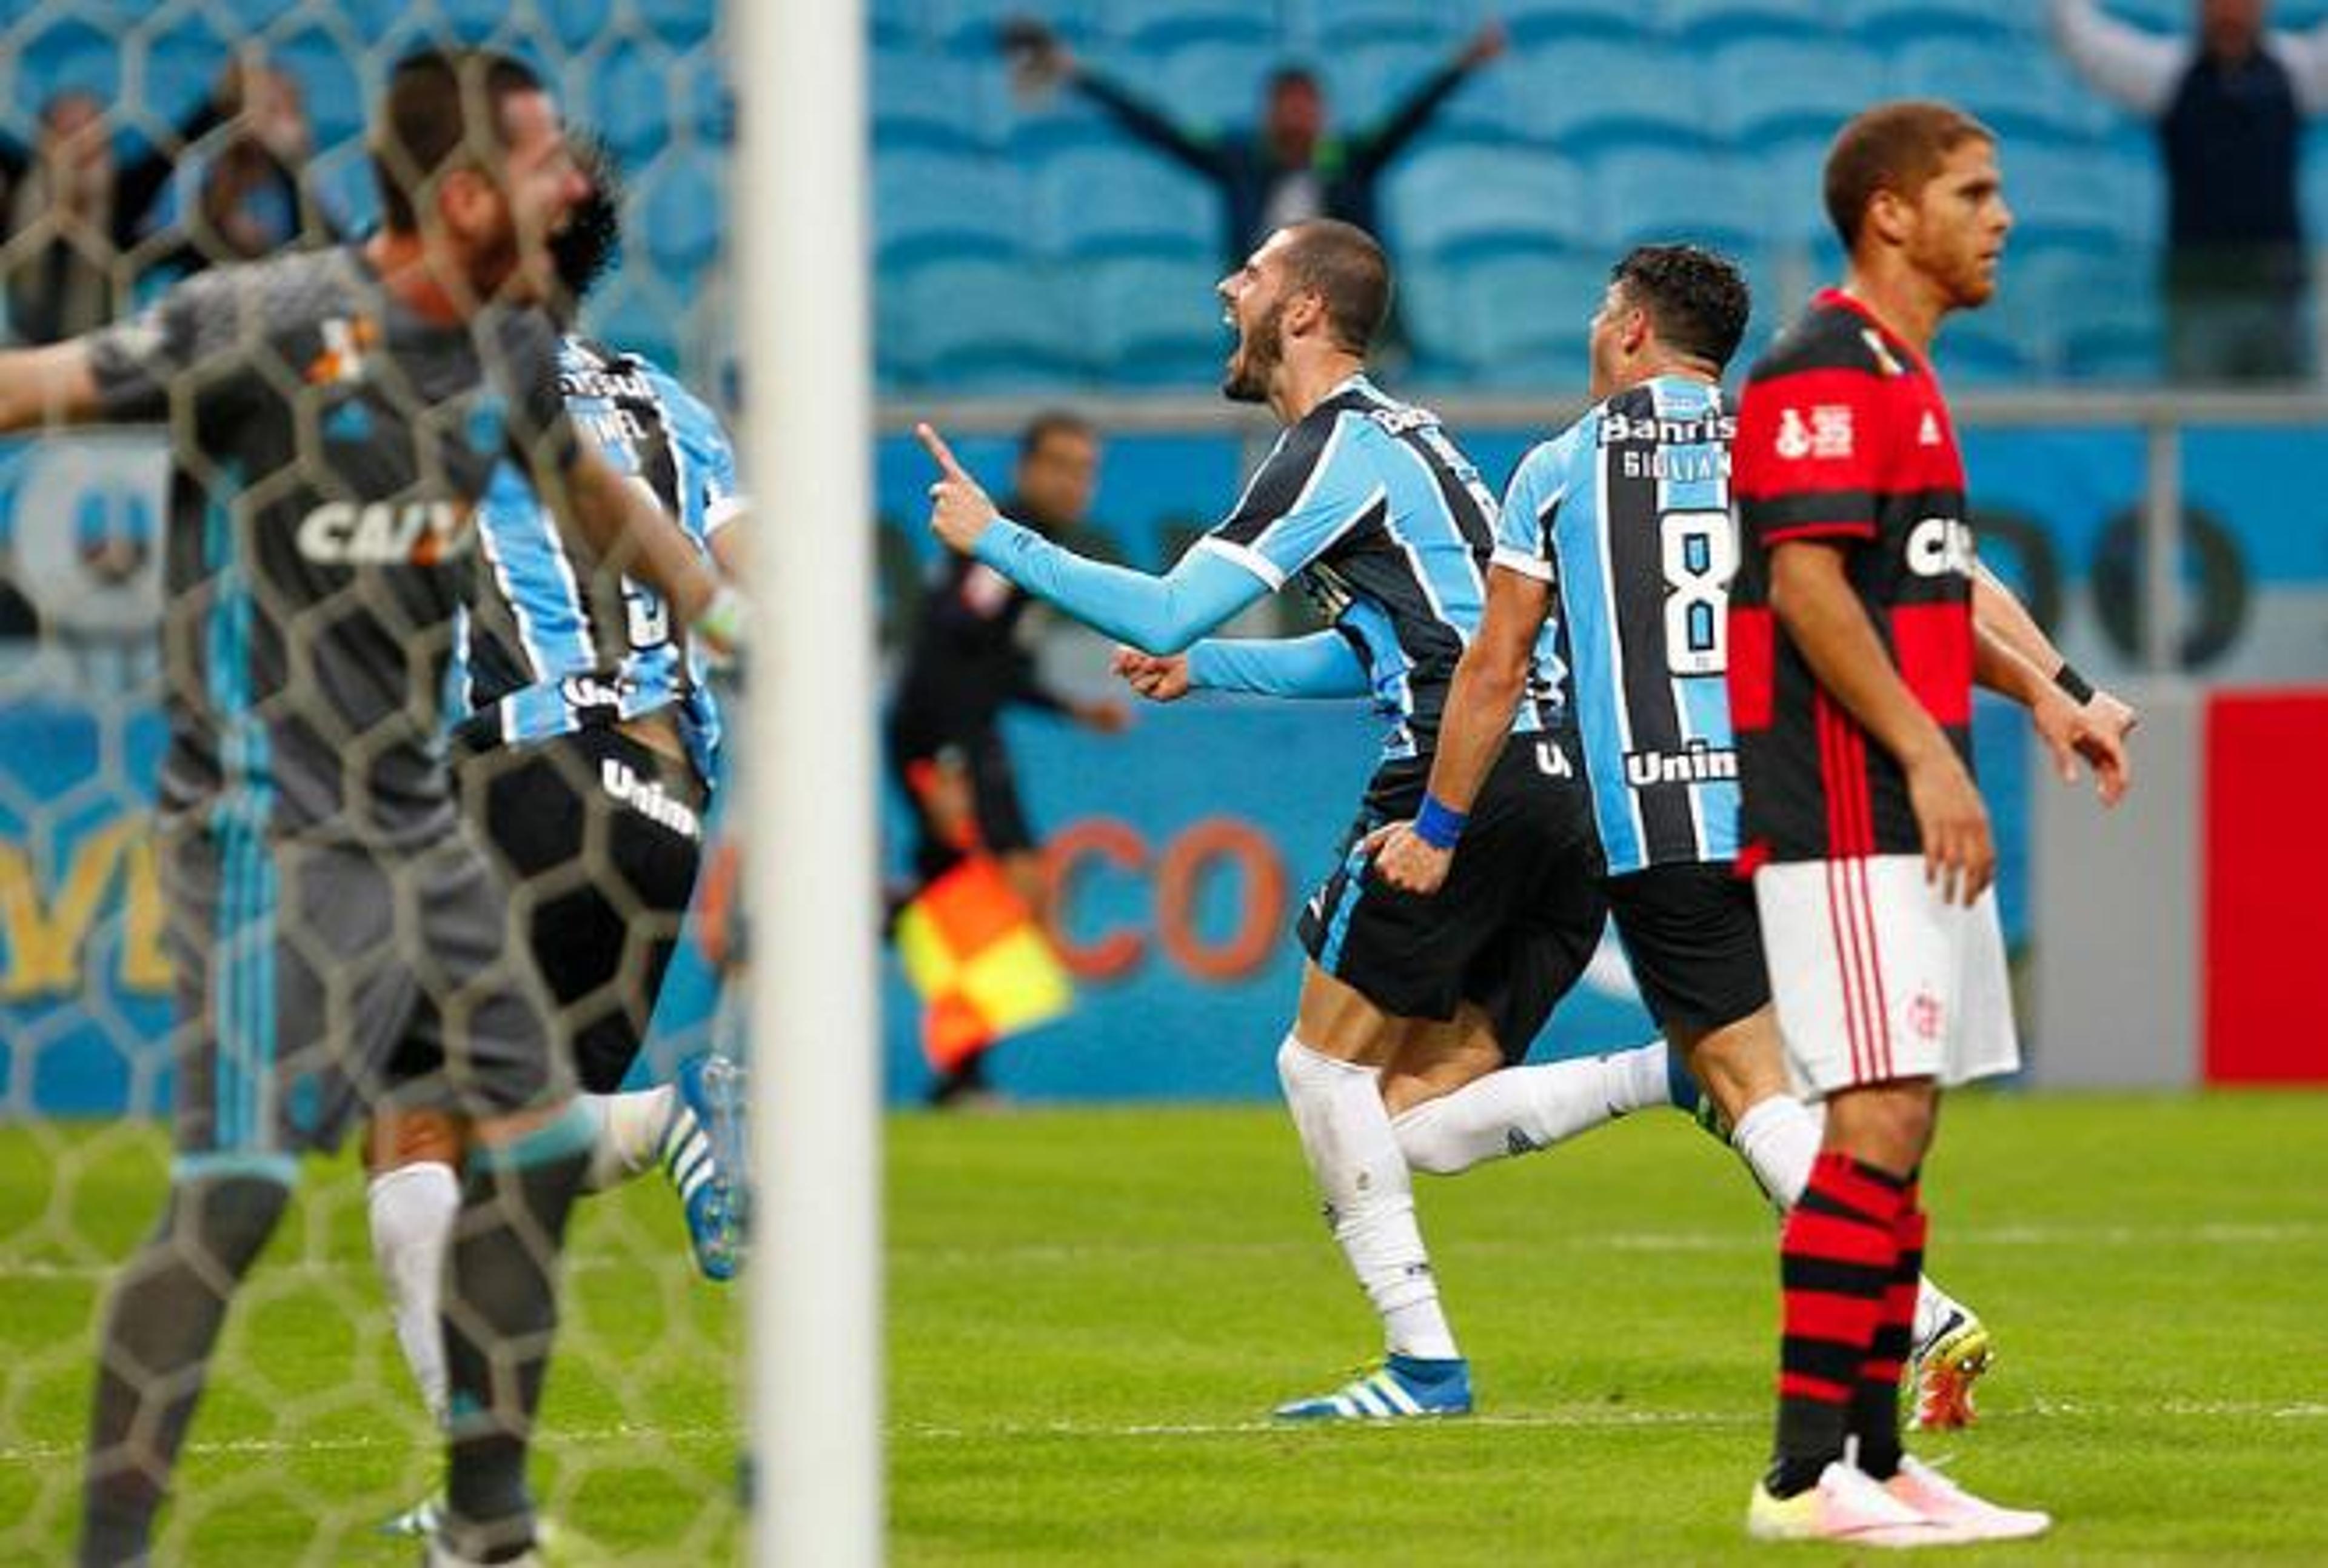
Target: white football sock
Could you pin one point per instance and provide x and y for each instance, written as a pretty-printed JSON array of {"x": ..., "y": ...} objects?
[
  {"x": 1345, "y": 1132},
  {"x": 630, "y": 1135},
  {"x": 1778, "y": 1139},
  {"x": 411, "y": 1210},
  {"x": 1520, "y": 1110}
]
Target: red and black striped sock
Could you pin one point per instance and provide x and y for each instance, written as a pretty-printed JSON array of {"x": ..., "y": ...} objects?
[
  {"x": 1875, "y": 1406},
  {"x": 1836, "y": 1257}
]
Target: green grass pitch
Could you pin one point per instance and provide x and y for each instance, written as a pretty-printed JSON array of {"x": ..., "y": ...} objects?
[{"x": 1091, "y": 1312}]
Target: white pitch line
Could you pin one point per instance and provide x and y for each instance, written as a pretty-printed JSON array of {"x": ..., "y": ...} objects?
[
  {"x": 1742, "y": 1240},
  {"x": 1575, "y": 1418}
]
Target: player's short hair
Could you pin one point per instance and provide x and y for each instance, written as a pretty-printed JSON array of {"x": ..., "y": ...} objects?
[
  {"x": 1343, "y": 266},
  {"x": 426, "y": 126},
  {"x": 1894, "y": 146},
  {"x": 586, "y": 250},
  {"x": 1053, "y": 422},
  {"x": 1698, "y": 301},
  {"x": 1289, "y": 76}
]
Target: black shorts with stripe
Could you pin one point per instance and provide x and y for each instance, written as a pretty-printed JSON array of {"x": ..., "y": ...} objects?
[
  {"x": 1695, "y": 942},
  {"x": 1517, "y": 920}
]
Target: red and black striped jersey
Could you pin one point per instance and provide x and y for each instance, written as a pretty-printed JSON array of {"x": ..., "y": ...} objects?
[{"x": 1844, "y": 439}]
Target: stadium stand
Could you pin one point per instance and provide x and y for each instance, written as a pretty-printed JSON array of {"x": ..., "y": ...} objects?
[{"x": 1609, "y": 121}]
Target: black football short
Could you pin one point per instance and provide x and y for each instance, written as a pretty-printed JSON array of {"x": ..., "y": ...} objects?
[
  {"x": 1513, "y": 926},
  {"x": 1002, "y": 826},
  {"x": 1695, "y": 941},
  {"x": 600, "y": 837}
]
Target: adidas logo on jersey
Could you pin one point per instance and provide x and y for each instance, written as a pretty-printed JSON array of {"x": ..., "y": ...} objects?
[
  {"x": 419, "y": 533},
  {"x": 1927, "y": 433}
]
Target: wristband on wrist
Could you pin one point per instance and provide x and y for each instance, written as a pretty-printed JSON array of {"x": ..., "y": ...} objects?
[
  {"x": 1438, "y": 824},
  {"x": 2079, "y": 689}
]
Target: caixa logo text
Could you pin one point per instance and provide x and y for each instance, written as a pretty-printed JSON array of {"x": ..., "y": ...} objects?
[
  {"x": 1940, "y": 547},
  {"x": 384, "y": 532}
]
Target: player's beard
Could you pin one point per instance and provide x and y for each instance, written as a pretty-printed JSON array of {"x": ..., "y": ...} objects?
[{"x": 1257, "y": 356}]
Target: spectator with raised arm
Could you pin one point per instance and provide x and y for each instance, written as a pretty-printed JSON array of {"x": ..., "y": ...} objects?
[
  {"x": 2230, "y": 99},
  {"x": 1289, "y": 168}
]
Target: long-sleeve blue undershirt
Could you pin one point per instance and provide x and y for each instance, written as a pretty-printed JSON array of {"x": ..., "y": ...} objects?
[
  {"x": 1319, "y": 666},
  {"x": 1155, "y": 615}
]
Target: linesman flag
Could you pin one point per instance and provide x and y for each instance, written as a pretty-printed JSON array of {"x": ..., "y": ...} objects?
[{"x": 973, "y": 950}]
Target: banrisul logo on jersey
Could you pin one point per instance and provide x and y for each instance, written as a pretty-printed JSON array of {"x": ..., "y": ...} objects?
[{"x": 417, "y": 533}]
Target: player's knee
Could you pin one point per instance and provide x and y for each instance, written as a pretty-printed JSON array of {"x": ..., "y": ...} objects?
[{"x": 1417, "y": 1131}]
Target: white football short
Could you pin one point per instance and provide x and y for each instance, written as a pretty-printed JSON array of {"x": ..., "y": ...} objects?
[{"x": 1876, "y": 978}]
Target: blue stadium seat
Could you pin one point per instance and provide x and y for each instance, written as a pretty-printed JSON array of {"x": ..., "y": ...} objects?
[
  {"x": 250, "y": 16},
  {"x": 182, "y": 61},
  {"x": 1165, "y": 24},
  {"x": 1366, "y": 81},
  {"x": 1214, "y": 85},
  {"x": 336, "y": 97},
  {"x": 1590, "y": 94},
  {"x": 630, "y": 101},
  {"x": 1466, "y": 202},
  {"x": 1467, "y": 319},
  {"x": 1656, "y": 195},
  {"x": 1886, "y": 23},
  {"x": 1767, "y": 88},
  {"x": 1040, "y": 127},
  {"x": 1794, "y": 193},
  {"x": 680, "y": 203},
  {"x": 472, "y": 20},
  {"x": 1977, "y": 350},
  {"x": 1707, "y": 23},
  {"x": 70, "y": 54},
  {"x": 628, "y": 314},
  {"x": 893, "y": 24},
  {"x": 2159, "y": 15},
  {"x": 2100, "y": 317},
  {"x": 2022, "y": 92},
  {"x": 680, "y": 24},
  {"x": 1495, "y": 106},
  {"x": 2084, "y": 200},
  {"x": 1154, "y": 322},
  {"x": 930, "y": 204},
  {"x": 1320, "y": 30},
  {"x": 1529, "y": 320},
  {"x": 1126, "y": 201},
  {"x": 972, "y": 28},
  {"x": 577, "y": 25},
  {"x": 981, "y": 324},
  {"x": 349, "y": 189},
  {"x": 928, "y": 100},
  {"x": 1532, "y": 23},
  {"x": 709, "y": 106}
]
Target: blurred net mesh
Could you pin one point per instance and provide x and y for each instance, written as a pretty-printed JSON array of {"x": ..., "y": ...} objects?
[{"x": 136, "y": 148}]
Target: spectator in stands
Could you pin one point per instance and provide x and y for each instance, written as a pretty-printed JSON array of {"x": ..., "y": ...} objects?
[
  {"x": 965, "y": 667},
  {"x": 2230, "y": 100},
  {"x": 81, "y": 222},
  {"x": 1289, "y": 168}
]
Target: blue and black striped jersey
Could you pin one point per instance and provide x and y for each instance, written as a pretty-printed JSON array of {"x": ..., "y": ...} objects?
[
  {"x": 546, "y": 650},
  {"x": 1389, "y": 527},
  {"x": 1627, "y": 515}
]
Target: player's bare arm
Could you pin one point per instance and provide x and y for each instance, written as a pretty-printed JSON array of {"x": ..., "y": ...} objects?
[
  {"x": 49, "y": 385},
  {"x": 1813, "y": 598},
  {"x": 2068, "y": 728},
  {"x": 630, "y": 534},
  {"x": 1487, "y": 687},
  {"x": 1995, "y": 608}
]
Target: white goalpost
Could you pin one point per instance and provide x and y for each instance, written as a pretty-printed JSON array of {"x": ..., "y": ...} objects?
[{"x": 797, "y": 202}]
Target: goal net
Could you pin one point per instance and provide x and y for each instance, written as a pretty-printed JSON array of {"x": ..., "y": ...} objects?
[{"x": 142, "y": 145}]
